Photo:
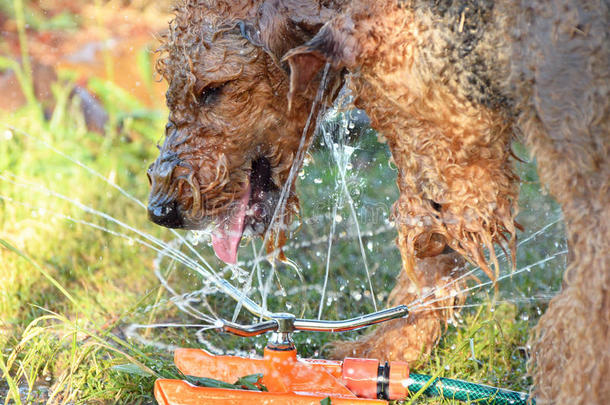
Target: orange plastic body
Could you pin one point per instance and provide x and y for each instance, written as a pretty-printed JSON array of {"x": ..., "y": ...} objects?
[
  {"x": 399, "y": 374},
  {"x": 289, "y": 380},
  {"x": 360, "y": 376}
]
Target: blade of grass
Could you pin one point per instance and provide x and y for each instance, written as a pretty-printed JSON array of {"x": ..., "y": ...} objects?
[
  {"x": 465, "y": 342},
  {"x": 13, "y": 389},
  {"x": 27, "y": 84},
  {"x": 42, "y": 271}
]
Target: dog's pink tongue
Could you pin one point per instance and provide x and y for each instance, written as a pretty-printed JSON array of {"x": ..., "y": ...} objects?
[{"x": 226, "y": 237}]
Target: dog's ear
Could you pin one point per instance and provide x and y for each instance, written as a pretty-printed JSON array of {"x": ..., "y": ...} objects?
[
  {"x": 281, "y": 25},
  {"x": 305, "y": 63},
  {"x": 335, "y": 43}
]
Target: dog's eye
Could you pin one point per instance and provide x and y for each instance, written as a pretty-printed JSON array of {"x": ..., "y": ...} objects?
[
  {"x": 169, "y": 127},
  {"x": 149, "y": 173},
  {"x": 209, "y": 95}
]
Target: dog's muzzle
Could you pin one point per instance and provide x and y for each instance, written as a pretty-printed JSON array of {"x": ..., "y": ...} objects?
[
  {"x": 165, "y": 214},
  {"x": 162, "y": 205}
]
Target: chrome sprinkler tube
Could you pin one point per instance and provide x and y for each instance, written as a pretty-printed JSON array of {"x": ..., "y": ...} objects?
[
  {"x": 284, "y": 324},
  {"x": 363, "y": 321}
]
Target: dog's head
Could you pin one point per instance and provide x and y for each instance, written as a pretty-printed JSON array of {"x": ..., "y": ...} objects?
[{"x": 232, "y": 136}]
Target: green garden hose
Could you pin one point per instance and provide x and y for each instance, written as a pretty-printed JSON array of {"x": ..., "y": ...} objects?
[{"x": 465, "y": 391}]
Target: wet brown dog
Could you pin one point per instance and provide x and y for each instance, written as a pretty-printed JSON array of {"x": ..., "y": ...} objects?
[{"x": 448, "y": 83}]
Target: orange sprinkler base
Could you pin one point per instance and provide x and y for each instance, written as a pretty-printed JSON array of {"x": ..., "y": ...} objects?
[{"x": 288, "y": 379}]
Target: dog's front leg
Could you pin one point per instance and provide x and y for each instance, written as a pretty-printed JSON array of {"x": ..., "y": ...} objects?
[{"x": 438, "y": 280}]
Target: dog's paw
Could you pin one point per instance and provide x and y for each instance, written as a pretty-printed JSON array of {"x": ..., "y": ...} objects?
[{"x": 405, "y": 339}]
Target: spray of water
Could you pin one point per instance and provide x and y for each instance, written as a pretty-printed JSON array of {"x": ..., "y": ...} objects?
[
  {"x": 471, "y": 272},
  {"x": 260, "y": 270},
  {"x": 206, "y": 272},
  {"x": 276, "y": 224},
  {"x": 490, "y": 282},
  {"x": 341, "y": 153}
]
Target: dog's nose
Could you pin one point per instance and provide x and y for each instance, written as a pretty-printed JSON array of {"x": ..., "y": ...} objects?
[{"x": 166, "y": 215}]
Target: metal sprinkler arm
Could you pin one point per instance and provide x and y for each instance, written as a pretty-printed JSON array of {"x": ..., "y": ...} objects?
[
  {"x": 288, "y": 323},
  {"x": 246, "y": 330},
  {"x": 363, "y": 321}
]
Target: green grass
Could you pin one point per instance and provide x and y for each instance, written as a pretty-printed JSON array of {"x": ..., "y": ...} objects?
[
  {"x": 69, "y": 291},
  {"x": 92, "y": 279}
]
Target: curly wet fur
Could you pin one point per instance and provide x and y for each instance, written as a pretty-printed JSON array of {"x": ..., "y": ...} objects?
[
  {"x": 447, "y": 83},
  {"x": 564, "y": 113}
]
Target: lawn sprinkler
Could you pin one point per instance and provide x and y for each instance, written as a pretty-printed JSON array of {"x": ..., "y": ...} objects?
[{"x": 281, "y": 377}]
